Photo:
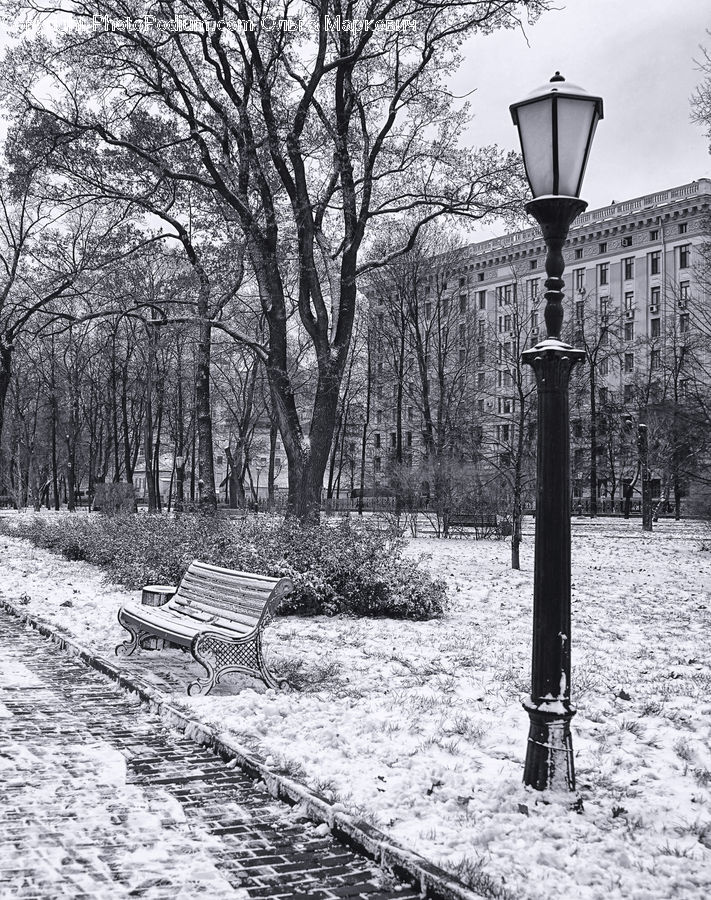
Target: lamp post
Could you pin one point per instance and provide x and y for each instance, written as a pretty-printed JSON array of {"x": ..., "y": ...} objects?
[
  {"x": 556, "y": 124},
  {"x": 642, "y": 472}
]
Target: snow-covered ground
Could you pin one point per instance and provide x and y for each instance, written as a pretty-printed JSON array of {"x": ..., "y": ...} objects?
[{"x": 418, "y": 726}]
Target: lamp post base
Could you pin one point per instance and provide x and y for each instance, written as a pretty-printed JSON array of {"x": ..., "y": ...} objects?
[{"x": 549, "y": 753}]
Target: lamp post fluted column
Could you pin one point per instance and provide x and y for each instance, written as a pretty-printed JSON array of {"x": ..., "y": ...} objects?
[
  {"x": 549, "y": 752},
  {"x": 556, "y": 124}
]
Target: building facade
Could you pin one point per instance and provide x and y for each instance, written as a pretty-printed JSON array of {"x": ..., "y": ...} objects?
[{"x": 634, "y": 300}]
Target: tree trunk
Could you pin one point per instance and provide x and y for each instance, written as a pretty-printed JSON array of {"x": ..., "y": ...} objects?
[
  {"x": 271, "y": 475},
  {"x": 71, "y": 495},
  {"x": 5, "y": 375},
  {"x": 206, "y": 470},
  {"x": 148, "y": 422}
]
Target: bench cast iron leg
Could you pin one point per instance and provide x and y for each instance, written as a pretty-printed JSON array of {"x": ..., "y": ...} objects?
[
  {"x": 127, "y": 647},
  {"x": 219, "y": 655}
]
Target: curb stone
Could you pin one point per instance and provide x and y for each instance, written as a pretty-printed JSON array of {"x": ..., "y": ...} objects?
[{"x": 434, "y": 883}]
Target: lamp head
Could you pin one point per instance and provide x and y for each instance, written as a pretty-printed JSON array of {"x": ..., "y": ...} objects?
[{"x": 556, "y": 124}]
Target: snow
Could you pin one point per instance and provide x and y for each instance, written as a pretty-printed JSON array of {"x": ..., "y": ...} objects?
[{"x": 418, "y": 727}]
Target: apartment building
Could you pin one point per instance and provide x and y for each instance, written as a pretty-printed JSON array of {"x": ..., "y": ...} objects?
[{"x": 631, "y": 286}]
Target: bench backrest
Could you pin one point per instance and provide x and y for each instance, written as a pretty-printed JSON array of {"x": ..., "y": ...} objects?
[{"x": 226, "y": 595}]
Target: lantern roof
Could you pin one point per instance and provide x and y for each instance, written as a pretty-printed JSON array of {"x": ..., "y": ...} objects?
[{"x": 558, "y": 87}]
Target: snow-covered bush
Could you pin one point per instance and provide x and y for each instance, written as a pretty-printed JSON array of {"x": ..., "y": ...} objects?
[{"x": 336, "y": 568}]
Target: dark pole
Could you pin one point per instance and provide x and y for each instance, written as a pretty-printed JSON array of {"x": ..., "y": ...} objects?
[
  {"x": 643, "y": 447},
  {"x": 549, "y": 754},
  {"x": 179, "y": 483}
]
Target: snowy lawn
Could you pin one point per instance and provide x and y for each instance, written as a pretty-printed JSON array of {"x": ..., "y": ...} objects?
[{"x": 418, "y": 726}]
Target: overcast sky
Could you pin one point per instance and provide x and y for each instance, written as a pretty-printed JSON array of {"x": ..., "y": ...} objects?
[{"x": 638, "y": 55}]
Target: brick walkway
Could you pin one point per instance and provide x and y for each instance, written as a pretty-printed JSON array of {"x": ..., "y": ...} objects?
[{"x": 100, "y": 799}]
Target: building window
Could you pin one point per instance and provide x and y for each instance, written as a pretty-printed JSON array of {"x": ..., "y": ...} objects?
[
  {"x": 629, "y": 331},
  {"x": 378, "y": 416},
  {"x": 654, "y": 234},
  {"x": 408, "y": 439},
  {"x": 393, "y": 439},
  {"x": 482, "y": 299},
  {"x": 628, "y": 394},
  {"x": 603, "y": 247},
  {"x": 533, "y": 264},
  {"x": 627, "y": 241},
  {"x": 507, "y": 323},
  {"x": 684, "y": 256},
  {"x": 655, "y": 260},
  {"x": 482, "y": 329},
  {"x": 579, "y": 279},
  {"x": 445, "y": 306},
  {"x": 603, "y": 273},
  {"x": 462, "y": 303},
  {"x": 654, "y": 358},
  {"x": 629, "y": 362},
  {"x": 684, "y": 320},
  {"x": 534, "y": 318},
  {"x": 604, "y": 305},
  {"x": 410, "y": 414},
  {"x": 604, "y": 367},
  {"x": 577, "y": 426},
  {"x": 656, "y": 327},
  {"x": 628, "y": 268},
  {"x": 428, "y": 309},
  {"x": 376, "y": 464},
  {"x": 579, "y": 458},
  {"x": 462, "y": 281},
  {"x": 480, "y": 407},
  {"x": 655, "y": 296},
  {"x": 462, "y": 333},
  {"x": 602, "y": 395},
  {"x": 376, "y": 440},
  {"x": 604, "y": 336},
  {"x": 683, "y": 227},
  {"x": 579, "y": 310},
  {"x": 504, "y": 432},
  {"x": 683, "y": 290},
  {"x": 629, "y": 301},
  {"x": 479, "y": 276},
  {"x": 533, "y": 287},
  {"x": 480, "y": 379},
  {"x": 462, "y": 355},
  {"x": 578, "y": 253}
]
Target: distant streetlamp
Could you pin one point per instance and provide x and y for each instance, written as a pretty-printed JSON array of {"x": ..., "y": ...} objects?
[
  {"x": 556, "y": 124},
  {"x": 643, "y": 472}
]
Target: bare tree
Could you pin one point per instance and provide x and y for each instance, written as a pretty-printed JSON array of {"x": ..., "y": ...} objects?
[{"x": 310, "y": 142}]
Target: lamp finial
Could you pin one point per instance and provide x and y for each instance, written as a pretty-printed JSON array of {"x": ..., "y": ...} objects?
[{"x": 557, "y": 77}]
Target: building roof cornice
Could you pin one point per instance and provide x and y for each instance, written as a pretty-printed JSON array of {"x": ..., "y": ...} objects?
[{"x": 615, "y": 211}]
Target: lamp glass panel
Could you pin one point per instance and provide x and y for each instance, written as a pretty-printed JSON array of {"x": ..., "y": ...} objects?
[
  {"x": 575, "y": 118},
  {"x": 535, "y": 128}
]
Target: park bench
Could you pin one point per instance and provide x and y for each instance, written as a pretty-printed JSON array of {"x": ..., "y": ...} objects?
[
  {"x": 484, "y": 524},
  {"x": 219, "y": 614}
]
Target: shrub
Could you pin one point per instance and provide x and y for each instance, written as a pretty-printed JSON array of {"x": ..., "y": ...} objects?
[{"x": 336, "y": 568}]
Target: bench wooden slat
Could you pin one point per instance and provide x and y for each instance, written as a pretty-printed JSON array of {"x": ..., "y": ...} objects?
[
  {"x": 215, "y": 605},
  {"x": 200, "y": 613}
]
